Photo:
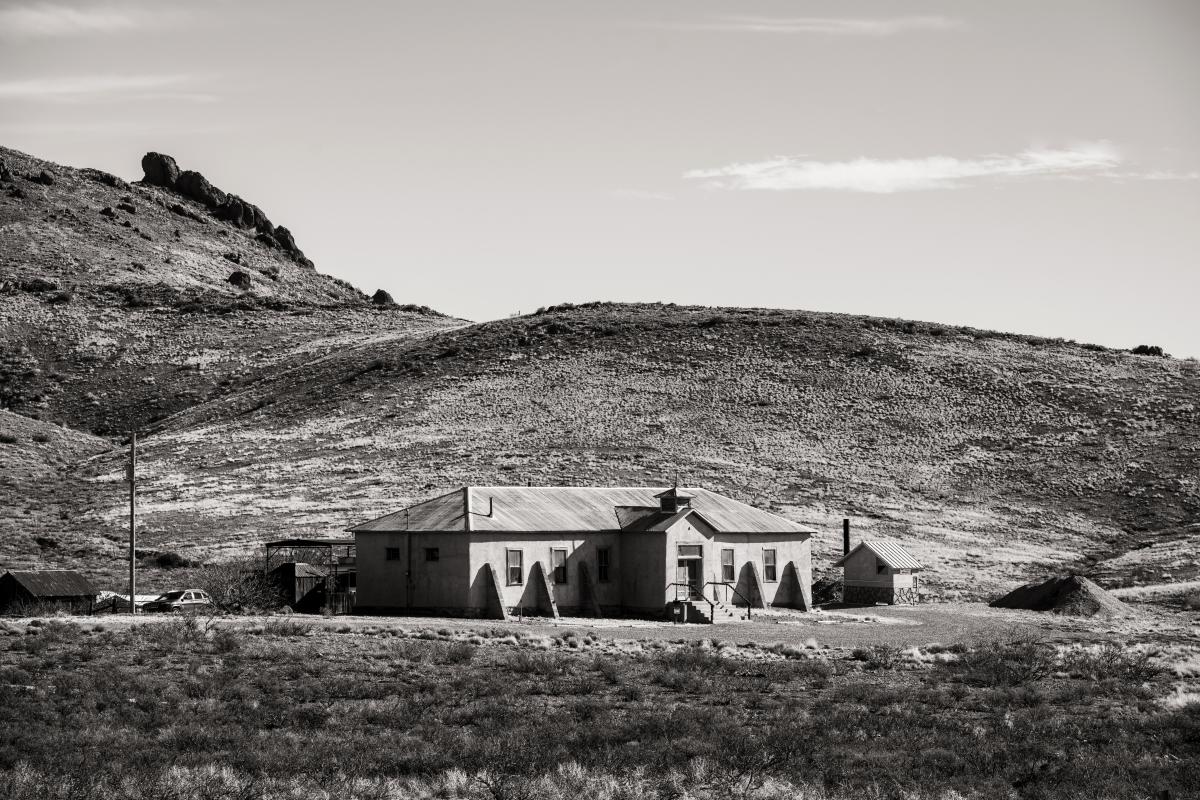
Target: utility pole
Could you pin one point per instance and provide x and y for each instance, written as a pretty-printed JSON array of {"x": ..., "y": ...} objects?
[{"x": 132, "y": 478}]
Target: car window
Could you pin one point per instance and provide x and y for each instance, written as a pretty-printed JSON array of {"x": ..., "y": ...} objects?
[{"x": 172, "y": 596}]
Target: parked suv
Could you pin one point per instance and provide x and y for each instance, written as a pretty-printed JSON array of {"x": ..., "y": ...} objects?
[{"x": 182, "y": 600}]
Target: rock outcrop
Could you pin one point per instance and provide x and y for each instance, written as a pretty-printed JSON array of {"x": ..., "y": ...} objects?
[
  {"x": 194, "y": 185},
  {"x": 382, "y": 298},
  {"x": 161, "y": 170}
]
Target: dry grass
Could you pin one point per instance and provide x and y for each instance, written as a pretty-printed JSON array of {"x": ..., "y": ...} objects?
[{"x": 218, "y": 711}]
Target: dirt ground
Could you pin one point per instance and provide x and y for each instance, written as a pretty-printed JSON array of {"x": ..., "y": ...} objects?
[{"x": 900, "y": 626}]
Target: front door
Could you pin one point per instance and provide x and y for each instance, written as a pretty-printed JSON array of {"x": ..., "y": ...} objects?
[{"x": 689, "y": 572}]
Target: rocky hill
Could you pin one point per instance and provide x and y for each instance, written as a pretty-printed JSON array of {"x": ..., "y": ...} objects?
[
  {"x": 125, "y": 302},
  {"x": 997, "y": 458}
]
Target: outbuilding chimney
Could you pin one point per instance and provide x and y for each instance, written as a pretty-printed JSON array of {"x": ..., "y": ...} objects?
[{"x": 845, "y": 537}]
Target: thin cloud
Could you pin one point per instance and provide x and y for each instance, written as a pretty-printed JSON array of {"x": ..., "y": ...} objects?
[
  {"x": 50, "y": 20},
  {"x": 828, "y": 26},
  {"x": 78, "y": 88},
  {"x": 885, "y": 176}
]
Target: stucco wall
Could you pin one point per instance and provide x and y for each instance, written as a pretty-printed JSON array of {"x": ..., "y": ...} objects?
[
  {"x": 747, "y": 550},
  {"x": 641, "y": 566},
  {"x": 643, "y": 572},
  {"x": 440, "y": 584},
  {"x": 581, "y": 547}
]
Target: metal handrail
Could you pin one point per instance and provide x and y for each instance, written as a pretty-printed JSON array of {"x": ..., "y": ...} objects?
[
  {"x": 729, "y": 585},
  {"x": 691, "y": 589}
]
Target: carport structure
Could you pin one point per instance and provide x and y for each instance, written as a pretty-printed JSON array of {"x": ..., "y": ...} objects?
[{"x": 332, "y": 558}]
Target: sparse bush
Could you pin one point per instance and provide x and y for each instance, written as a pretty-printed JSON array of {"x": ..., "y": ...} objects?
[
  {"x": 690, "y": 659},
  {"x": 169, "y": 560},
  {"x": 178, "y": 630},
  {"x": 1110, "y": 661},
  {"x": 1012, "y": 663},
  {"x": 457, "y": 653},
  {"x": 878, "y": 656},
  {"x": 238, "y": 586},
  {"x": 226, "y": 641},
  {"x": 286, "y": 626},
  {"x": 1148, "y": 350},
  {"x": 8, "y": 438},
  {"x": 608, "y": 668},
  {"x": 544, "y": 664}
]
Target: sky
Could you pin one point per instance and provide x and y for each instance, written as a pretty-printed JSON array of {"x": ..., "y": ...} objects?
[{"x": 1023, "y": 166}]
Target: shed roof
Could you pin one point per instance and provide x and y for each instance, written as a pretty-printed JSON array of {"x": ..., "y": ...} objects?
[
  {"x": 889, "y": 551},
  {"x": 564, "y": 509},
  {"x": 313, "y": 543},
  {"x": 53, "y": 582}
]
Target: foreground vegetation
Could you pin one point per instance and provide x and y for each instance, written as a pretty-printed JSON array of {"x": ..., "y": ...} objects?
[{"x": 194, "y": 709}]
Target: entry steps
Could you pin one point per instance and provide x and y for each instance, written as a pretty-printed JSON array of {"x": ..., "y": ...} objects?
[{"x": 698, "y": 612}]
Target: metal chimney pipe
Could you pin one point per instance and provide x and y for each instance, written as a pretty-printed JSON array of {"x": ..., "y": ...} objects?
[{"x": 845, "y": 537}]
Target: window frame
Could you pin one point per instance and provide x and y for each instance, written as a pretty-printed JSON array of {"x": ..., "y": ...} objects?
[
  {"x": 391, "y": 554},
  {"x": 558, "y": 571},
  {"x": 603, "y": 564},
  {"x": 433, "y": 554},
  {"x": 732, "y": 566},
  {"x": 773, "y": 575},
  {"x": 509, "y": 566}
]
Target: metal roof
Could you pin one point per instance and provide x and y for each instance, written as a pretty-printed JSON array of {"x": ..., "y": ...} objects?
[
  {"x": 300, "y": 543},
  {"x": 570, "y": 509},
  {"x": 53, "y": 582},
  {"x": 889, "y": 551}
]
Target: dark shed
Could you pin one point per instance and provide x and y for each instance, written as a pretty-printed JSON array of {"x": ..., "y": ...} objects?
[
  {"x": 38, "y": 590},
  {"x": 302, "y": 585}
]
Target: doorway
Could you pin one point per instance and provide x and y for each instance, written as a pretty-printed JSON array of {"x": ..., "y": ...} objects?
[{"x": 689, "y": 572}]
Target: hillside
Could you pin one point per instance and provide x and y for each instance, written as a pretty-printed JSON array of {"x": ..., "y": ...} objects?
[
  {"x": 119, "y": 307},
  {"x": 996, "y": 458}
]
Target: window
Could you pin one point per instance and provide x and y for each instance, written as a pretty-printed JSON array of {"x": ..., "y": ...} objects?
[
  {"x": 880, "y": 567},
  {"x": 393, "y": 554},
  {"x": 603, "y": 559},
  {"x": 691, "y": 550},
  {"x": 516, "y": 567},
  {"x": 432, "y": 554},
  {"x": 727, "y": 566},
  {"x": 558, "y": 560},
  {"x": 769, "y": 573}
]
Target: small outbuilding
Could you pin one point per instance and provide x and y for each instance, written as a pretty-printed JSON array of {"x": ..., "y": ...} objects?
[
  {"x": 879, "y": 571},
  {"x": 313, "y": 575},
  {"x": 39, "y": 591}
]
